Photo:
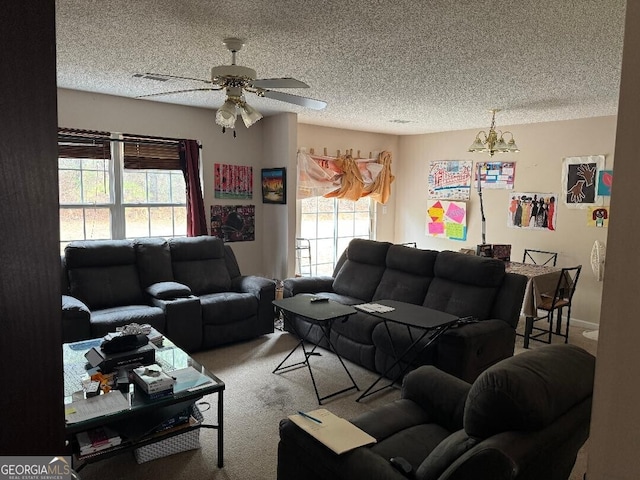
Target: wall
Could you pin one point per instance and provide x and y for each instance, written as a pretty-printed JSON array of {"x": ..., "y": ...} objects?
[
  {"x": 318, "y": 138},
  {"x": 538, "y": 169},
  {"x": 615, "y": 422},
  {"x": 279, "y": 221},
  {"x": 117, "y": 114},
  {"x": 31, "y": 410}
]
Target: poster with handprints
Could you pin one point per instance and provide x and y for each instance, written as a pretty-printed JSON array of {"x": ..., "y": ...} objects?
[
  {"x": 580, "y": 180},
  {"x": 450, "y": 179},
  {"x": 447, "y": 219},
  {"x": 533, "y": 211}
]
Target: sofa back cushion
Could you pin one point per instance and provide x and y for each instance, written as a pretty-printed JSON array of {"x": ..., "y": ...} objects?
[
  {"x": 529, "y": 391},
  {"x": 362, "y": 270},
  {"x": 407, "y": 276},
  {"x": 103, "y": 273},
  {"x": 154, "y": 260},
  {"x": 465, "y": 285},
  {"x": 199, "y": 263}
]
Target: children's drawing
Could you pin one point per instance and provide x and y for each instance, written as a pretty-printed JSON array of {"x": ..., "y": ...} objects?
[
  {"x": 447, "y": 219},
  {"x": 450, "y": 179},
  {"x": 532, "y": 211},
  {"x": 598, "y": 217},
  {"x": 580, "y": 180},
  {"x": 495, "y": 174},
  {"x": 605, "y": 180}
]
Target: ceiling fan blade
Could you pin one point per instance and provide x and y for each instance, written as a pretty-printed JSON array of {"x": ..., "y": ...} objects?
[
  {"x": 295, "y": 99},
  {"x": 286, "y": 82},
  {"x": 159, "y": 76},
  {"x": 179, "y": 91}
]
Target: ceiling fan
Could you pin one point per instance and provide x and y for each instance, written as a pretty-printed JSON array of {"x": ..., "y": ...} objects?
[{"x": 235, "y": 80}]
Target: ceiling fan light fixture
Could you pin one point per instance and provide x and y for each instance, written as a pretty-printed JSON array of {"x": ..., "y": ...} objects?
[
  {"x": 249, "y": 114},
  {"x": 227, "y": 114}
]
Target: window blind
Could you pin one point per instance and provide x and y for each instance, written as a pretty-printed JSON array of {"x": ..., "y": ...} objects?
[
  {"x": 151, "y": 153},
  {"x": 74, "y": 143}
]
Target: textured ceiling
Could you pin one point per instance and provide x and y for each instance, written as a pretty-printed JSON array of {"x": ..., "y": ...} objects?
[{"x": 433, "y": 65}]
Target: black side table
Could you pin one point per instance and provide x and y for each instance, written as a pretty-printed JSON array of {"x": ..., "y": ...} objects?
[
  {"x": 322, "y": 314},
  {"x": 431, "y": 322}
]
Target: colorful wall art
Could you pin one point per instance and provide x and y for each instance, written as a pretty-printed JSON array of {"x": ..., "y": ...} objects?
[
  {"x": 233, "y": 223},
  {"x": 450, "y": 179},
  {"x": 598, "y": 217},
  {"x": 533, "y": 211},
  {"x": 605, "y": 180},
  {"x": 580, "y": 180},
  {"x": 447, "y": 219},
  {"x": 233, "y": 181},
  {"x": 495, "y": 175},
  {"x": 274, "y": 185}
]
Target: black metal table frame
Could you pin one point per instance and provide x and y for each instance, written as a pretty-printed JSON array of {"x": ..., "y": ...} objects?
[
  {"x": 434, "y": 333},
  {"x": 325, "y": 326}
]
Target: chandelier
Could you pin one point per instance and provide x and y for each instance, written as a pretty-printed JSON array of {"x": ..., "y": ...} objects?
[{"x": 493, "y": 142}]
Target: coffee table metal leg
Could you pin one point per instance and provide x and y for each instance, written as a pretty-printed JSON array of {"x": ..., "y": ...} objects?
[{"x": 220, "y": 429}]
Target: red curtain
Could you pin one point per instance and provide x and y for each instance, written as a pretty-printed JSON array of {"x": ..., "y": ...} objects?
[{"x": 196, "y": 219}]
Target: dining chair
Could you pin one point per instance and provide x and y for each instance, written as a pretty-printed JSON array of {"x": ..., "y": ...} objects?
[
  {"x": 553, "y": 304},
  {"x": 539, "y": 257}
]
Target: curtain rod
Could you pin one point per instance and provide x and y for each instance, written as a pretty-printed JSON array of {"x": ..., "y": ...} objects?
[{"x": 138, "y": 139}]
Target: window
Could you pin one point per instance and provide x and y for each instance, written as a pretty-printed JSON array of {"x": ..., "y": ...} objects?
[
  {"x": 120, "y": 187},
  {"x": 329, "y": 224}
]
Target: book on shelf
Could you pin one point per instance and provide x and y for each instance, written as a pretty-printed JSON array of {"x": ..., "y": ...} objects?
[
  {"x": 152, "y": 379},
  {"x": 97, "y": 439}
]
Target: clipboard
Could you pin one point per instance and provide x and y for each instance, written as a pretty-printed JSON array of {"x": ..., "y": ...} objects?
[{"x": 335, "y": 432}]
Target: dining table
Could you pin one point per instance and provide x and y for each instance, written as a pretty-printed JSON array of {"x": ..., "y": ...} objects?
[{"x": 542, "y": 279}]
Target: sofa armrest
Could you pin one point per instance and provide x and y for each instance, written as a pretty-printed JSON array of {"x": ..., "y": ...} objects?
[
  {"x": 441, "y": 395},
  {"x": 168, "y": 290},
  {"x": 294, "y": 286},
  {"x": 183, "y": 317},
  {"x": 302, "y": 456},
  {"x": 468, "y": 350},
  {"x": 264, "y": 290},
  {"x": 76, "y": 320}
]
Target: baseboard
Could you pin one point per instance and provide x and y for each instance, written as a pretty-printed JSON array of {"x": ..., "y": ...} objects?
[{"x": 575, "y": 322}]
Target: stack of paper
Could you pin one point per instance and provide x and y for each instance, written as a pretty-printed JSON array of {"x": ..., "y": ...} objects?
[{"x": 374, "y": 308}]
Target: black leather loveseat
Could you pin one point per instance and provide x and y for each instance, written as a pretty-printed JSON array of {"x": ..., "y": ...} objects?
[
  {"x": 524, "y": 418},
  {"x": 452, "y": 282},
  {"x": 189, "y": 288}
]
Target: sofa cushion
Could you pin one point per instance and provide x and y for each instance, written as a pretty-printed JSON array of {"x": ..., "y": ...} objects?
[
  {"x": 154, "y": 260},
  {"x": 408, "y": 274},
  {"x": 199, "y": 263},
  {"x": 524, "y": 393},
  {"x": 103, "y": 273},
  {"x": 227, "y": 307},
  {"x": 106, "y": 320},
  {"x": 104, "y": 287},
  {"x": 465, "y": 285},
  {"x": 361, "y": 272}
]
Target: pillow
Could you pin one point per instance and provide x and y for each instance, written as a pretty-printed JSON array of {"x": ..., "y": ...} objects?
[{"x": 168, "y": 290}]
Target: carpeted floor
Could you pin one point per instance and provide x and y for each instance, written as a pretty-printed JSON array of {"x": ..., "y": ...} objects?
[{"x": 255, "y": 400}]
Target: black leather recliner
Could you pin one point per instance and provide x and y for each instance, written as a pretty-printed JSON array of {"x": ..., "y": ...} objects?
[{"x": 524, "y": 418}]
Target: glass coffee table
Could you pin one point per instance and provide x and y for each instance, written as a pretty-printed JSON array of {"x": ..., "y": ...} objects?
[{"x": 131, "y": 412}]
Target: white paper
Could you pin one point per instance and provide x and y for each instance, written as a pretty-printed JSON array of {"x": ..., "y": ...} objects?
[{"x": 94, "y": 407}]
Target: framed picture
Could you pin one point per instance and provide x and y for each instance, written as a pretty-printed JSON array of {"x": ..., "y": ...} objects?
[{"x": 274, "y": 185}]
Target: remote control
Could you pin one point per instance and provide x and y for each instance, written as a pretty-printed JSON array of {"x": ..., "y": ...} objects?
[{"x": 318, "y": 299}]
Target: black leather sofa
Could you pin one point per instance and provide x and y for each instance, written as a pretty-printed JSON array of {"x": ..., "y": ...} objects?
[
  {"x": 524, "y": 418},
  {"x": 463, "y": 285},
  {"x": 189, "y": 288}
]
